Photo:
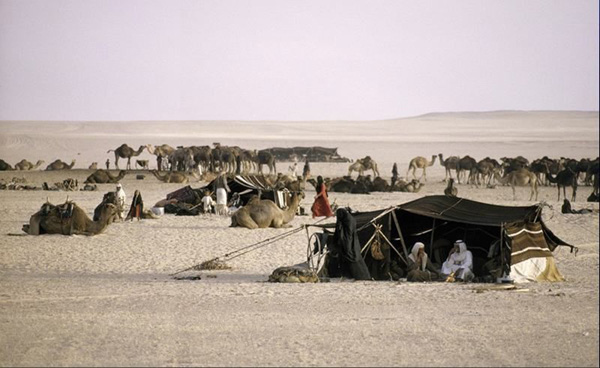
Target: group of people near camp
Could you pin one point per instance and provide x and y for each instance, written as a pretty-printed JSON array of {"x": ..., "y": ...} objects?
[
  {"x": 458, "y": 265},
  {"x": 346, "y": 259},
  {"x": 136, "y": 208}
]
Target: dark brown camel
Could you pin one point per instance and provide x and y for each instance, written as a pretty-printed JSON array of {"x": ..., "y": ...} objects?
[
  {"x": 467, "y": 164},
  {"x": 565, "y": 178},
  {"x": 264, "y": 157},
  {"x": 451, "y": 163},
  {"x": 124, "y": 151}
]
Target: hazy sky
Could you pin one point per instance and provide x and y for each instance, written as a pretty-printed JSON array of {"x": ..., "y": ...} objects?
[{"x": 293, "y": 60}]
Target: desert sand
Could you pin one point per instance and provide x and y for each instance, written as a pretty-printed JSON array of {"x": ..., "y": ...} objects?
[{"x": 109, "y": 300}]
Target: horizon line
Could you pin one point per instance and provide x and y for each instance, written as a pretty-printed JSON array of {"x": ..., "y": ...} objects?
[{"x": 302, "y": 121}]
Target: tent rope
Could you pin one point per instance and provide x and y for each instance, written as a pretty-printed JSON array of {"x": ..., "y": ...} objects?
[
  {"x": 248, "y": 248},
  {"x": 460, "y": 200}
]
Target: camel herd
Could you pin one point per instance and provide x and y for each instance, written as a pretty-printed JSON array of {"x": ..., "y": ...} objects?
[
  {"x": 517, "y": 171},
  {"x": 25, "y": 165}
]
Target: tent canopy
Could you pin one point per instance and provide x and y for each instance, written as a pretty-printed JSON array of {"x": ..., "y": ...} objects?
[
  {"x": 437, "y": 221},
  {"x": 249, "y": 185}
]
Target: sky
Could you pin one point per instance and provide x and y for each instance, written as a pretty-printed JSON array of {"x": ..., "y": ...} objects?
[{"x": 293, "y": 59}]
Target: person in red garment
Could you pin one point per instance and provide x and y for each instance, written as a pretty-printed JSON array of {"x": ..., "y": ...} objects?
[{"x": 321, "y": 206}]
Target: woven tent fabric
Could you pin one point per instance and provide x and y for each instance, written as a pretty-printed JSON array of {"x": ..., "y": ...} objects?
[
  {"x": 467, "y": 211},
  {"x": 527, "y": 241}
]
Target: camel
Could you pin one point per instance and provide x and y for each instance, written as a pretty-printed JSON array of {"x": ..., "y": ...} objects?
[
  {"x": 103, "y": 177},
  {"x": 161, "y": 152},
  {"x": 67, "y": 219},
  {"x": 469, "y": 164},
  {"x": 565, "y": 178},
  {"x": 344, "y": 184},
  {"x": 363, "y": 164},
  {"x": 263, "y": 213},
  {"x": 485, "y": 171},
  {"x": 26, "y": 165},
  {"x": 202, "y": 157},
  {"x": 294, "y": 184},
  {"x": 5, "y": 166},
  {"x": 247, "y": 161},
  {"x": 451, "y": 190},
  {"x": 264, "y": 157},
  {"x": 109, "y": 199},
  {"x": 510, "y": 164},
  {"x": 520, "y": 177},
  {"x": 420, "y": 162},
  {"x": 413, "y": 186},
  {"x": 380, "y": 185},
  {"x": 124, "y": 151},
  {"x": 182, "y": 159},
  {"x": 94, "y": 166},
  {"x": 451, "y": 163},
  {"x": 172, "y": 177},
  {"x": 356, "y": 166},
  {"x": 60, "y": 165}
]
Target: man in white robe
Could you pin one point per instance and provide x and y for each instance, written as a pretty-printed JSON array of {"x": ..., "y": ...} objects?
[
  {"x": 459, "y": 262},
  {"x": 121, "y": 198},
  {"x": 221, "y": 188}
]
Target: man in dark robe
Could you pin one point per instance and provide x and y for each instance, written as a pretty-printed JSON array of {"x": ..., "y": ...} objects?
[
  {"x": 347, "y": 259},
  {"x": 137, "y": 207}
]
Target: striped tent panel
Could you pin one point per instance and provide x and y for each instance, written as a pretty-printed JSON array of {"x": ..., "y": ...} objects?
[{"x": 527, "y": 241}]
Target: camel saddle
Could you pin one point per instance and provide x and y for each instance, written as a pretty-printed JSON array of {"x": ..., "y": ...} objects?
[{"x": 65, "y": 210}]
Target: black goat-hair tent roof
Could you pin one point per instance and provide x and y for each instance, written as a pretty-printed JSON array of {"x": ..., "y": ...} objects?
[
  {"x": 430, "y": 218},
  {"x": 456, "y": 210},
  {"x": 247, "y": 186}
]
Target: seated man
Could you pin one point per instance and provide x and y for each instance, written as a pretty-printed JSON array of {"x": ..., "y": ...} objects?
[
  {"x": 459, "y": 262},
  {"x": 420, "y": 268},
  {"x": 207, "y": 202}
]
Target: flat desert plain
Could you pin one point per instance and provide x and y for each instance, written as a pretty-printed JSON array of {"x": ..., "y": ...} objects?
[{"x": 109, "y": 300}]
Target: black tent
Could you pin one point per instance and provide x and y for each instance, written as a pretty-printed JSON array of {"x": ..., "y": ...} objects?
[
  {"x": 506, "y": 234},
  {"x": 249, "y": 185}
]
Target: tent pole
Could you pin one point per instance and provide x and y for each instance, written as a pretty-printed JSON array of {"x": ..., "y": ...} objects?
[
  {"x": 400, "y": 233},
  {"x": 431, "y": 239},
  {"x": 502, "y": 248}
]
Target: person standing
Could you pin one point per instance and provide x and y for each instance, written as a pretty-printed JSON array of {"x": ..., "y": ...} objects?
[
  {"x": 321, "y": 206},
  {"x": 137, "y": 207},
  {"x": 293, "y": 169},
  {"x": 221, "y": 188},
  {"x": 346, "y": 258},
  {"x": 207, "y": 202},
  {"x": 107, "y": 164},
  {"x": 394, "y": 174},
  {"x": 121, "y": 198},
  {"x": 306, "y": 170}
]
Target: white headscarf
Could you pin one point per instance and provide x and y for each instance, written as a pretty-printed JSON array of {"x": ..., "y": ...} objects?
[
  {"x": 415, "y": 251},
  {"x": 462, "y": 251}
]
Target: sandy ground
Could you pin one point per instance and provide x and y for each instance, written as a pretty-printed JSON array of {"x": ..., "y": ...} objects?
[{"x": 108, "y": 300}]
